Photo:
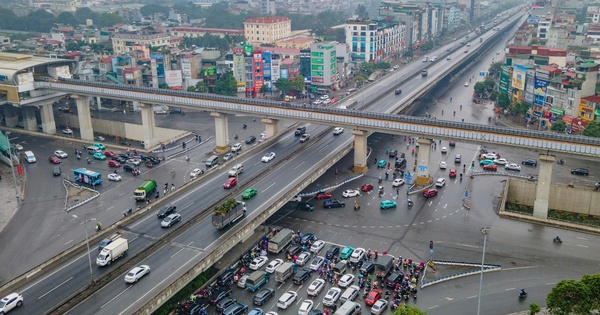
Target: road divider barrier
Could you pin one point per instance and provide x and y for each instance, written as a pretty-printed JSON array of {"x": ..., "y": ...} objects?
[{"x": 486, "y": 268}]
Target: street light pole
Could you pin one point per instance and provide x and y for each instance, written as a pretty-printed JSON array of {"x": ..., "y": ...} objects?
[
  {"x": 485, "y": 232},
  {"x": 12, "y": 168},
  {"x": 87, "y": 243}
]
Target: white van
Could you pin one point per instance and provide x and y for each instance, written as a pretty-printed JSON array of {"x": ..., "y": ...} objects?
[
  {"x": 348, "y": 308},
  {"x": 30, "y": 157}
]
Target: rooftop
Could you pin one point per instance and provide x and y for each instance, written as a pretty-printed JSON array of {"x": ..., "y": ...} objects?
[{"x": 268, "y": 20}]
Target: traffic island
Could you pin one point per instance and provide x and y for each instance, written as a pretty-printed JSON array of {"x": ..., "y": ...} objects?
[
  {"x": 444, "y": 270},
  {"x": 77, "y": 195}
]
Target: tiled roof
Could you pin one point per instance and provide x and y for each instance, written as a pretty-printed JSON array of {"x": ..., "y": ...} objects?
[{"x": 270, "y": 19}]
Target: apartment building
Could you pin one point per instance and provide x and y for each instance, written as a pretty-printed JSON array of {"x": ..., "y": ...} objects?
[
  {"x": 194, "y": 32},
  {"x": 267, "y": 30},
  {"x": 322, "y": 64},
  {"x": 125, "y": 42},
  {"x": 373, "y": 41}
]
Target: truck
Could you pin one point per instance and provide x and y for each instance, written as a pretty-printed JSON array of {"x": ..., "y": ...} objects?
[
  {"x": 145, "y": 190},
  {"x": 256, "y": 280},
  {"x": 108, "y": 240},
  {"x": 112, "y": 252},
  {"x": 383, "y": 265},
  {"x": 278, "y": 242},
  {"x": 285, "y": 271},
  {"x": 227, "y": 213}
]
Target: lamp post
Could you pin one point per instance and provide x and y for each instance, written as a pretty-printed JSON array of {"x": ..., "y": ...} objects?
[
  {"x": 485, "y": 232},
  {"x": 87, "y": 242},
  {"x": 12, "y": 168}
]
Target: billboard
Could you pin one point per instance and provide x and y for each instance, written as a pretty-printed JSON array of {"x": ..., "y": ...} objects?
[
  {"x": 248, "y": 50},
  {"x": 518, "y": 78},
  {"x": 174, "y": 79},
  {"x": 209, "y": 71},
  {"x": 529, "y": 97},
  {"x": 540, "y": 87},
  {"x": 25, "y": 81},
  {"x": 504, "y": 82}
]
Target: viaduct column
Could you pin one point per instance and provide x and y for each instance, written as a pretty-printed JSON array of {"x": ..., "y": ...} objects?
[
  {"x": 11, "y": 116},
  {"x": 48, "y": 123},
  {"x": 423, "y": 153},
  {"x": 29, "y": 119},
  {"x": 221, "y": 132},
  {"x": 85, "y": 119},
  {"x": 148, "y": 124},
  {"x": 360, "y": 151},
  {"x": 272, "y": 127},
  {"x": 542, "y": 193}
]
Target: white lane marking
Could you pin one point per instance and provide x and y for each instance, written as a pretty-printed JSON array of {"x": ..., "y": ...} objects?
[
  {"x": 432, "y": 307},
  {"x": 297, "y": 166},
  {"x": 116, "y": 296},
  {"x": 110, "y": 208},
  {"x": 519, "y": 268},
  {"x": 581, "y": 238},
  {"x": 179, "y": 251},
  {"x": 67, "y": 243},
  {"x": 510, "y": 289},
  {"x": 584, "y": 246},
  {"x": 188, "y": 205},
  {"x": 471, "y": 297},
  {"x": 56, "y": 287},
  {"x": 467, "y": 245},
  {"x": 269, "y": 187}
]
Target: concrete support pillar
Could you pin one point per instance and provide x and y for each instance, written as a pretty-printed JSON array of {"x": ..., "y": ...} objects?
[
  {"x": 11, "y": 116},
  {"x": 99, "y": 102},
  {"x": 29, "y": 119},
  {"x": 423, "y": 153},
  {"x": 360, "y": 151},
  {"x": 272, "y": 127},
  {"x": 85, "y": 118},
  {"x": 542, "y": 193},
  {"x": 221, "y": 132},
  {"x": 148, "y": 124},
  {"x": 48, "y": 123}
]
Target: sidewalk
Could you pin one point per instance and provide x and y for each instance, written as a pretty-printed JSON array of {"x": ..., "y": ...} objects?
[{"x": 8, "y": 198}]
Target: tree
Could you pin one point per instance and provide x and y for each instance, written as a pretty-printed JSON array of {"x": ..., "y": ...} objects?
[
  {"x": 426, "y": 46},
  {"x": 43, "y": 21},
  {"x": 520, "y": 108},
  {"x": 534, "y": 308},
  {"x": 534, "y": 42},
  {"x": 110, "y": 19},
  {"x": 298, "y": 83},
  {"x": 67, "y": 18},
  {"x": 361, "y": 12},
  {"x": 569, "y": 297},
  {"x": 263, "y": 89},
  {"x": 360, "y": 79},
  {"x": 592, "y": 129},
  {"x": 226, "y": 84},
  {"x": 495, "y": 69},
  {"x": 164, "y": 86},
  {"x": 479, "y": 87},
  {"x": 503, "y": 100},
  {"x": 559, "y": 126},
  {"x": 489, "y": 83},
  {"x": 408, "y": 310},
  {"x": 73, "y": 45},
  {"x": 200, "y": 87},
  {"x": 408, "y": 53},
  {"x": 494, "y": 96},
  {"x": 150, "y": 9},
  {"x": 593, "y": 283},
  {"x": 82, "y": 14},
  {"x": 284, "y": 85}
]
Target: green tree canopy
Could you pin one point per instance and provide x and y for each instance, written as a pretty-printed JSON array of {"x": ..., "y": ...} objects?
[
  {"x": 426, "y": 46},
  {"x": 298, "y": 83},
  {"x": 570, "y": 297},
  {"x": 534, "y": 308},
  {"x": 495, "y": 69},
  {"x": 361, "y": 12},
  {"x": 494, "y": 96},
  {"x": 39, "y": 21},
  {"x": 520, "y": 108},
  {"x": 503, "y": 100},
  {"x": 226, "y": 84},
  {"x": 559, "y": 126},
  {"x": 8, "y": 19},
  {"x": 284, "y": 85},
  {"x": 150, "y": 9},
  {"x": 200, "y": 87},
  {"x": 408, "y": 310},
  {"x": 489, "y": 83},
  {"x": 479, "y": 87},
  {"x": 82, "y": 14},
  {"x": 263, "y": 89},
  {"x": 110, "y": 19},
  {"x": 67, "y": 18},
  {"x": 592, "y": 129}
]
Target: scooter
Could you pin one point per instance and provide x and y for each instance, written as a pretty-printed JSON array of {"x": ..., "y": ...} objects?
[
  {"x": 522, "y": 294},
  {"x": 561, "y": 161},
  {"x": 557, "y": 240},
  {"x": 410, "y": 203}
]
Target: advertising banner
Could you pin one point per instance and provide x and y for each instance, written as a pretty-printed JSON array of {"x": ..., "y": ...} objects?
[
  {"x": 529, "y": 97},
  {"x": 518, "y": 79},
  {"x": 540, "y": 87},
  {"x": 504, "y": 82},
  {"x": 174, "y": 79}
]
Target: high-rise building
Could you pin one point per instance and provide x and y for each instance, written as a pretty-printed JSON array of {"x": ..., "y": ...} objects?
[
  {"x": 305, "y": 62},
  {"x": 374, "y": 40},
  {"x": 322, "y": 64},
  {"x": 267, "y": 7}
]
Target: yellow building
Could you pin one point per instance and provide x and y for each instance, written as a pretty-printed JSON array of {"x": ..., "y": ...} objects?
[
  {"x": 587, "y": 107},
  {"x": 296, "y": 43},
  {"x": 123, "y": 43},
  {"x": 267, "y": 30}
]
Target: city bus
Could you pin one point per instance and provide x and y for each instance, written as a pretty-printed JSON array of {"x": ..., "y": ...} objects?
[{"x": 86, "y": 176}]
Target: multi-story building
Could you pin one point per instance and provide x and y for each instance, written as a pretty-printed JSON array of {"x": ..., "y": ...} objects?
[
  {"x": 543, "y": 28},
  {"x": 123, "y": 42},
  {"x": 239, "y": 72},
  {"x": 194, "y": 32},
  {"x": 58, "y": 5},
  {"x": 322, "y": 64},
  {"x": 421, "y": 21},
  {"x": 374, "y": 41},
  {"x": 267, "y": 7},
  {"x": 267, "y": 30},
  {"x": 535, "y": 54},
  {"x": 305, "y": 59}
]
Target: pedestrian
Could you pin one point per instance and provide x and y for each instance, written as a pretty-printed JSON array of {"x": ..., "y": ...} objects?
[
  {"x": 376, "y": 254},
  {"x": 397, "y": 192},
  {"x": 172, "y": 187}
]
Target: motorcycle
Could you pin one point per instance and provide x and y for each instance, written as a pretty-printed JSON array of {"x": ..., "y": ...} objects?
[
  {"x": 522, "y": 294},
  {"x": 557, "y": 240},
  {"x": 410, "y": 203},
  {"x": 560, "y": 162},
  {"x": 89, "y": 161}
]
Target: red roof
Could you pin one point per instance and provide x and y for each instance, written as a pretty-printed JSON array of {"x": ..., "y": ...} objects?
[
  {"x": 106, "y": 60},
  {"x": 270, "y": 19},
  {"x": 551, "y": 69},
  {"x": 592, "y": 99},
  {"x": 287, "y": 61},
  {"x": 290, "y": 51}
]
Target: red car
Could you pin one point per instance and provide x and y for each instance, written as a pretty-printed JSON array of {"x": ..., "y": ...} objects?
[
  {"x": 231, "y": 182},
  {"x": 430, "y": 193},
  {"x": 366, "y": 187},
  {"x": 491, "y": 167},
  {"x": 452, "y": 173},
  {"x": 113, "y": 163},
  {"x": 53, "y": 159},
  {"x": 322, "y": 195},
  {"x": 109, "y": 153},
  {"x": 373, "y": 296}
]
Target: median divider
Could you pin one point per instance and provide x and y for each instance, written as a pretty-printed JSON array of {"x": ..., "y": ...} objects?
[
  {"x": 81, "y": 202},
  {"x": 486, "y": 268}
]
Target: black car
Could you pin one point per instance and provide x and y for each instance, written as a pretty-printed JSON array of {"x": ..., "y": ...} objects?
[
  {"x": 580, "y": 171},
  {"x": 166, "y": 210},
  {"x": 225, "y": 303},
  {"x": 226, "y": 278},
  {"x": 315, "y": 312},
  {"x": 367, "y": 268},
  {"x": 194, "y": 308},
  {"x": 393, "y": 153},
  {"x": 305, "y": 206},
  {"x": 401, "y": 163},
  {"x": 119, "y": 159},
  {"x": 333, "y": 251},
  {"x": 219, "y": 293},
  {"x": 333, "y": 203},
  {"x": 394, "y": 278},
  {"x": 531, "y": 162},
  {"x": 302, "y": 275},
  {"x": 250, "y": 139},
  {"x": 294, "y": 250},
  {"x": 125, "y": 156},
  {"x": 307, "y": 238},
  {"x": 263, "y": 296},
  {"x": 128, "y": 168},
  {"x": 452, "y": 143},
  {"x": 153, "y": 159},
  {"x": 177, "y": 111},
  {"x": 56, "y": 171},
  {"x": 398, "y": 91},
  {"x": 300, "y": 131}
]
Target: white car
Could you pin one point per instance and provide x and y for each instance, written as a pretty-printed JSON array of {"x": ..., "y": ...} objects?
[
  {"x": 227, "y": 156},
  {"x": 440, "y": 182},
  {"x": 449, "y": 57},
  {"x": 350, "y": 294},
  {"x": 467, "y": 83},
  {"x": 137, "y": 273},
  {"x": 327, "y": 101},
  {"x": 242, "y": 281},
  {"x": 315, "y": 287},
  {"x": 114, "y": 177},
  {"x": 379, "y": 307},
  {"x": 332, "y": 296},
  {"x": 19, "y": 147},
  {"x": 357, "y": 255},
  {"x": 305, "y": 307},
  {"x": 444, "y": 150},
  {"x": 346, "y": 280},
  {"x": 338, "y": 130},
  {"x": 513, "y": 167},
  {"x": 99, "y": 138},
  {"x": 318, "y": 102},
  {"x": 268, "y": 157},
  {"x": 60, "y": 154},
  {"x": 67, "y": 131},
  {"x": 134, "y": 161},
  {"x": 398, "y": 182},
  {"x": 273, "y": 265},
  {"x": 325, "y": 97},
  {"x": 303, "y": 258},
  {"x": 316, "y": 263},
  {"x": 258, "y": 262},
  {"x": 195, "y": 172},
  {"x": 317, "y": 246},
  {"x": 10, "y": 301},
  {"x": 286, "y": 299},
  {"x": 490, "y": 156},
  {"x": 271, "y": 313},
  {"x": 236, "y": 147},
  {"x": 501, "y": 161},
  {"x": 443, "y": 165},
  {"x": 350, "y": 193}
]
